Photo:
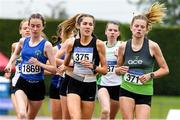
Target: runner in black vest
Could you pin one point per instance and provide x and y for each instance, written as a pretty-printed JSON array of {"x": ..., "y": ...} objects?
[{"x": 87, "y": 53}]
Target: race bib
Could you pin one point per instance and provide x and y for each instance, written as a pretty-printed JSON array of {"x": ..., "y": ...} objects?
[
  {"x": 132, "y": 76},
  {"x": 111, "y": 66},
  {"x": 83, "y": 54},
  {"x": 30, "y": 69},
  {"x": 79, "y": 55}
]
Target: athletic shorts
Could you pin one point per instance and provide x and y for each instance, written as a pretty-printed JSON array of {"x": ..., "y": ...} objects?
[
  {"x": 64, "y": 85},
  {"x": 35, "y": 90},
  {"x": 86, "y": 90},
  {"x": 12, "y": 90},
  {"x": 139, "y": 99},
  {"x": 54, "y": 92},
  {"x": 112, "y": 90}
]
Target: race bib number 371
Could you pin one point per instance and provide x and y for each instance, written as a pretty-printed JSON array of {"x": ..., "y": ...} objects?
[
  {"x": 132, "y": 76},
  {"x": 30, "y": 69}
]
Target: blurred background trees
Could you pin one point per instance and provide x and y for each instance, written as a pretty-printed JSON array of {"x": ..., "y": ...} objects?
[
  {"x": 57, "y": 10},
  {"x": 173, "y": 9}
]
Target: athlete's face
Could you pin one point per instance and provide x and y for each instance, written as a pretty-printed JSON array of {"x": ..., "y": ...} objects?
[
  {"x": 86, "y": 26},
  {"x": 139, "y": 28},
  {"x": 112, "y": 32},
  {"x": 24, "y": 31},
  {"x": 36, "y": 26}
]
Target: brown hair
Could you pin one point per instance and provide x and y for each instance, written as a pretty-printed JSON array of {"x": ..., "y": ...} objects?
[
  {"x": 81, "y": 16},
  {"x": 155, "y": 14},
  {"x": 38, "y": 16},
  {"x": 69, "y": 25},
  {"x": 112, "y": 22},
  {"x": 115, "y": 23}
]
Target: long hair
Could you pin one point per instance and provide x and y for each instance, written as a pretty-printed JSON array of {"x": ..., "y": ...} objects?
[
  {"x": 68, "y": 27},
  {"x": 154, "y": 15}
]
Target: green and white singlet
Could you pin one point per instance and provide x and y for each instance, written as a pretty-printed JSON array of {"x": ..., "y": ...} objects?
[{"x": 111, "y": 78}]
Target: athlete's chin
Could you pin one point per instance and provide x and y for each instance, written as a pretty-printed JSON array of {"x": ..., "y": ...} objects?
[
  {"x": 138, "y": 36},
  {"x": 87, "y": 35}
]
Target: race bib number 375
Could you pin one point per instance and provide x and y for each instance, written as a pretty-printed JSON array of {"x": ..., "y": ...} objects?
[
  {"x": 79, "y": 55},
  {"x": 30, "y": 69},
  {"x": 83, "y": 54}
]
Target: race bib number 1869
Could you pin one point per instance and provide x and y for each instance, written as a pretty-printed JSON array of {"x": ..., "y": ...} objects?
[{"x": 30, "y": 69}]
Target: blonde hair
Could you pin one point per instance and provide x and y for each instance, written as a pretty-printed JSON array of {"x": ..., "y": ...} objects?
[
  {"x": 21, "y": 23},
  {"x": 67, "y": 27},
  {"x": 154, "y": 15},
  {"x": 43, "y": 35}
]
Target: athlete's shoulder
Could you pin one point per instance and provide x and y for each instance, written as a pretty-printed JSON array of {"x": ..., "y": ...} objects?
[
  {"x": 48, "y": 44},
  {"x": 70, "y": 41},
  {"x": 100, "y": 42},
  {"x": 119, "y": 42},
  {"x": 100, "y": 45},
  {"x": 14, "y": 44},
  {"x": 21, "y": 40},
  {"x": 123, "y": 44},
  {"x": 153, "y": 44}
]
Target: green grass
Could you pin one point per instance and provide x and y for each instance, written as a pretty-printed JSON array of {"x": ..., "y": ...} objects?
[
  {"x": 162, "y": 104},
  {"x": 159, "y": 110}
]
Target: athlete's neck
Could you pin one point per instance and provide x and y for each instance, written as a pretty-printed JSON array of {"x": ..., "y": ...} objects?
[
  {"x": 137, "y": 44},
  {"x": 137, "y": 41},
  {"x": 111, "y": 43},
  {"x": 85, "y": 40},
  {"x": 35, "y": 40}
]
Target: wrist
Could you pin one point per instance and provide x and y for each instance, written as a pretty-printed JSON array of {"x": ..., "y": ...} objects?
[
  {"x": 41, "y": 64},
  {"x": 94, "y": 68},
  {"x": 151, "y": 75}
]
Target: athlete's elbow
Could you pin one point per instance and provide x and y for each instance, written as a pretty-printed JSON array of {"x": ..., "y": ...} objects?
[{"x": 167, "y": 71}]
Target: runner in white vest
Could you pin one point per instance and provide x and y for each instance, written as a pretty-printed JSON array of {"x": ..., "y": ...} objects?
[
  {"x": 109, "y": 84},
  {"x": 24, "y": 31}
]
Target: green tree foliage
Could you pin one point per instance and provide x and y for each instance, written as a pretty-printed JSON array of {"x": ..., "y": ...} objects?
[{"x": 173, "y": 9}]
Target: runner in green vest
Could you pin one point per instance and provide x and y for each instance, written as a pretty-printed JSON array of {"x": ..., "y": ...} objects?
[{"x": 136, "y": 59}]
